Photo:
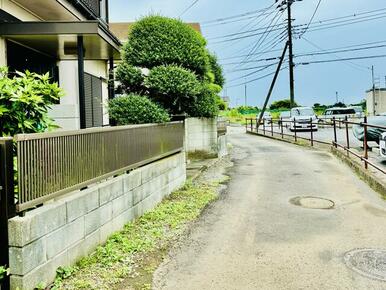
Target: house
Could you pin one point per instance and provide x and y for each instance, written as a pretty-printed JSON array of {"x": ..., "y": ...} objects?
[
  {"x": 72, "y": 41},
  {"x": 376, "y": 101},
  {"x": 121, "y": 29}
]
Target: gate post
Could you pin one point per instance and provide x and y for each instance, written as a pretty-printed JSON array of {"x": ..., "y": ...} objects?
[{"x": 7, "y": 201}]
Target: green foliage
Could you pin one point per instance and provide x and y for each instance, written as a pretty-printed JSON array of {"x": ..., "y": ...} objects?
[
  {"x": 205, "y": 104},
  {"x": 4, "y": 271},
  {"x": 174, "y": 87},
  {"x": 157, "y": 40},
  {"x": 245, "y": 110},
  {"x": 135, "y": 109},
  {"x": 24, "y": 102},
  {"x": 131, "y": 78},
  {"x": 216, "y": 69},
  {"x": 221, "y": 104},
  {"x": 282, "y": 104},
  {"x": 155, "y": 231},
  {"x": 339, "y": 105}
]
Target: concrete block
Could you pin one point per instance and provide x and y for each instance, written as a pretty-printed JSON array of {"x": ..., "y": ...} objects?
[
  {"x": 24, "y": 260},
  {"x": 110, "y": 190},
  {"x": 106, "y": 231},
  {"x": 92, "y": 221},
  {"x": 125, "y": 217},
  {"x": 56, "y": 242},
  {"x": 122, "y": 203},
  {"x": 132, "y": 180},
  {"x": 90, "y": 242},
  {"x": 45, "y": 273},
  {"x": 63, "y": 238},
  {"x": 138, "y": 195},
  {"x": 36, "y": 223},
  {"x": 82, "y": 203},
  {"x": 75, "y": 231},
  {"x": 106, "y": 213}
]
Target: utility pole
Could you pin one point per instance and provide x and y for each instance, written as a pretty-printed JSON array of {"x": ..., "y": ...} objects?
[
  {"x": 288, "y": 4},
  {"x": 290, "y": 52},
  {"x": 245, "y": 94},
  {"x": 336, "y": 97},
  {"x": 373, "y": 80}
]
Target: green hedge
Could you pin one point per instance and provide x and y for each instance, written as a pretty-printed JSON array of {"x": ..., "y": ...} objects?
[
  {"x": 174, "y": 87},
  {"x": 136, "y": 109},
  {"x": 131, "y": 78},
  {"x": 156, "y": 40}
]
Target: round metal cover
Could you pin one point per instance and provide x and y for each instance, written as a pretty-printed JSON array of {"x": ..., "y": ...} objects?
[
  {"x": 370, "y": 263},
  {"x": 313, "y": 202}
]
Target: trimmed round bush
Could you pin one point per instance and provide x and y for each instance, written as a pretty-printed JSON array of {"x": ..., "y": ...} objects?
[
  {"x": 174, "y": 87},
  {"x": 136, "y": 109},
  {"x": 157, "y": 40},
  {"x": 206, "y": 104},
  {"x": 131, "y": 78}
]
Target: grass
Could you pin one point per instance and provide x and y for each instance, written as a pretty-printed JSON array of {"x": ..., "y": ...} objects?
[{"x": 130, "y": 256}]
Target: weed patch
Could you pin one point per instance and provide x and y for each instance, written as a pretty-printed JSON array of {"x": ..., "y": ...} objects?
[{"x": 133, "y": 254}]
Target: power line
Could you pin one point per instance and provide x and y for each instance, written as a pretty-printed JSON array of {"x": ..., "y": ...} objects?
[
  {"x": 312, "y": 18},
  {"x": 190, "y": 7},
  {"x": 256, "y": 79},
  {"x": 342, "y": 59},
  {"x": 318, "y": 47},
  {"x": 237, "y": 16}
]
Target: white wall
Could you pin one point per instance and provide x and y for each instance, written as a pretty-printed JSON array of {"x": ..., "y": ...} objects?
[
  {"x": 67, "y": 115},
  {"x": 201, "y": 135},
  {"x": 376, "y": 103}
]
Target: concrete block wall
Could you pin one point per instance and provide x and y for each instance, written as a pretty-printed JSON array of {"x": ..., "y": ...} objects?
[
  {"x": 201, "y": 135},
  {"x": 62, "y": 232}
]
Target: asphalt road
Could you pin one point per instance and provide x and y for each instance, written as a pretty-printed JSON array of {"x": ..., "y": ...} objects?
[{"x": 254, "y": 238}]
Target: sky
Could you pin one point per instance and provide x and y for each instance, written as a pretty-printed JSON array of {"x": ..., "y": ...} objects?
[{"x": 314, "y": 83}]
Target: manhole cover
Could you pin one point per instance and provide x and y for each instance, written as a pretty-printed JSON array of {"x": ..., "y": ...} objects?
[
  {"x": 313, "y": 202},
  {"x": 370, "y": 263}
]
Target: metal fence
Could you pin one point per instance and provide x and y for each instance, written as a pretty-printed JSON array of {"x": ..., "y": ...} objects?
[
  {"x": 52, "y": 164},
  {"x": 281, "y": 128},
  {"x": 7, "y": 202}
]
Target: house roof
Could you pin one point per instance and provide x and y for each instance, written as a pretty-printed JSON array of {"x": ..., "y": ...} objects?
[
  {"x": 121, "y": 29},
  {"x": 59, "y": 39}
]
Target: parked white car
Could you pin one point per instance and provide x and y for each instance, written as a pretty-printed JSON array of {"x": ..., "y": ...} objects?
[
  {"x": 359, "y": 113},
  {"x": 301, "y": 119},
  {"x": 267, "y": 117},
  {"x": 382, "y": 145},
  {"x": 338, "y": 114},
  {"x": 284, "y": 118}
]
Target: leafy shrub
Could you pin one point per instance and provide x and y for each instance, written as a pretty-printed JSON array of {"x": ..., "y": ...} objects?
[
  {"x": 131, "y": 78},
  {"x": 205, "y": 105},
  {"x": 3, "y": 272},
  {"x": 24, "y": 102},
  {"x": 282, "y": 104},
  {"x": 136, "y": 109},
  {"x": 174, "y": 87},
  {"x": 217, "y": 71},
  {"x": 221, "y": 104},
  {"x": 156, "y": 40}
]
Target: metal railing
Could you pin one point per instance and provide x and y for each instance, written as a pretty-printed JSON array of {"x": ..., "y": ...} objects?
[
  {"x": 268, "y": 126},
  {"x": 52, "y": 164}
]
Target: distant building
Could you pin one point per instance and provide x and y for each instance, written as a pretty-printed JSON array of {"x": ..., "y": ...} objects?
[
  {"x": 121, "y": 29},
  {"x": 227, "y": 100},
  {"x": 376, "y": 101}
]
